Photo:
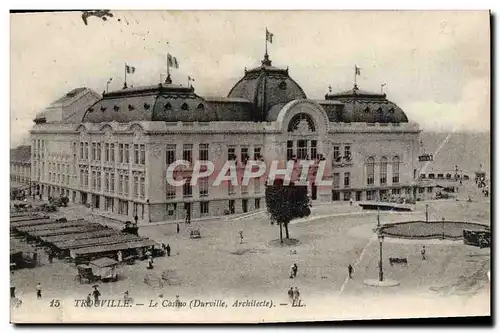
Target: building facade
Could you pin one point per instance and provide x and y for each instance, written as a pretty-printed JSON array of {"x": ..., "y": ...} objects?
[
  {"x": 116, "y": 157},
  {"x": 20, "y": 165}
]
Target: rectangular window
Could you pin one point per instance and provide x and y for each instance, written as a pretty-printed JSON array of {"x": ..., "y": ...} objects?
[
  {"x": 395, "y": 191},
  {"x": 230, "y": 189},
  {"x": 336, "y": 153},
  {"x": 347, "y": 179},
  {"x": 421, "y": 190},
  {"x": 126, "y": 186},
  {"x": 170, "y": 191},
  {"x": 244, "y": 155},
  {"x": 257, "y": 182},
  {"x": 314, "y": 149},
  {"x": 204, "y": 208},
  {"x": 302, "y": 150},
  {"x": 231, "y": 153},
  {"x": 187, "y": 189},
  {"x": 94, "y": 151},
  {"x": 112, "y": 152},
  {"x": 187, "y": 153},
  {"x": 335, "y": 196},
  {"x": 127, "y": 153},
  {"x": 336, "y": 180},
  {"x": 120, "y": 152},
  {"x": 120, "y": 184},
  {"x": 112, "y": 182},
  {"x": 347, "y": 152},
  {"x": 244, "y": 189},
  {"x": 203, "y": 186},
  {"x": 257, "y": 153},
  {"x": 136, "y": 186},
  {"x": 429, "y": 190},
  {"x": 142, "y": 187},
  {"x": 143, "y": 154},
  {"x": 170, "y": 157},
  {"x": 171, "y": 209},
  {"x": 94, "y": 178},
  {"x": 106, "y": 181},
  {"x": 370, "y": 195},
  {"x": 98, "y": 180},
  {"x": 136, "y": 154},
  {"x": 347, "y": 196},
  {"x": 203, "y": 151},
  {"x": 106, "y": 156},
  {"x": 257, "y": 203}
]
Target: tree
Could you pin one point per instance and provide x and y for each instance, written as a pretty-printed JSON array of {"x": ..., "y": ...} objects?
[{"x": 285, "y": 203}]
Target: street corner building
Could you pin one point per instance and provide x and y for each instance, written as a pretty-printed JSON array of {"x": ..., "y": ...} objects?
[{"x": 111, "y": 151}]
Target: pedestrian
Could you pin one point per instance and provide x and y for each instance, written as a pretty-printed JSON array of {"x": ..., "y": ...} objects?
[
  {"x": 296, "y": 294},
  {"x": 89, "y": 300},
  {"x": 168, "y": 250},
  {"x": 290, "y": 294},
  {"x": 350, "y": 202},
  {"x": 119, "y": 256},
  {"x": 423, "y": 252},
  {"x": 126, "y": 297},
  {"x": 294, "y": 270},
  {"x": 150, "y": 263},
  {"x": 39, "y": 291},
  {"x": 40, "y": 195},
  {"x": 178, "y": 229},
  {"x": 51, "y": 256},
  {"x": 350, "y": 270},
  {"x": 96, "y": 293},
  {"x": 291, "y": 272},
  {"x": 12, "y": 292},
  {"x": 241, "y": 236}
]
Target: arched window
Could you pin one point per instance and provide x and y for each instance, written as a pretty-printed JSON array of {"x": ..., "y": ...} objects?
[
  {"x": 383, "y": 171},
  {"x": 168, "y": 106},
  {"x": 370, "y": 171},
  {"x": 200, "y": 107},
  {"x": 298, "y": 119},
  {"x": 184, "y": 106},
  {"x": 395, "y": 170}
]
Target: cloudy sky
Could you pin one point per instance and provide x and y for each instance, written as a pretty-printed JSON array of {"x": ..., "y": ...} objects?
[{"x": 436, "y": 64}]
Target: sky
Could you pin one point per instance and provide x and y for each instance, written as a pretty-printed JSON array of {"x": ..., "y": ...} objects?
[{"x": 436, "y": 64}]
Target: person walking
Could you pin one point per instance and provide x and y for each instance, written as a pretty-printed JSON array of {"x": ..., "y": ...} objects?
[
  {"x": 89, "y": 300},
  {"x": 168, "y": 250},
  {"x": 12, "y": 292},
  {"x": 119, "y": 256},
  {"x": 350, "y": 270},
  {"x": 35, "y": 257},
  {"x": 150, "y": 263},
  {"x": 39, "y": 291},
  {"x": 296, "y": 294},
  {"x": 178, "y": 228},
  {"x": 423, "y": 252},
  {"x": 96, "y": 293},
  {"x": 136, "y": 218},
  {"x": 241, "y": 236},
  {"x": 294, "y": 270},
  {"x": 51, "y": 256},
  {"x": 350, "y": 202},
  {"x": 291, "y": 271},
  {"x": 290, "y": 294}
]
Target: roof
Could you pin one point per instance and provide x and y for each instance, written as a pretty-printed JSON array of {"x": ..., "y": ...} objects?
[
  {"x": 70, "y": 96},
  {"x": 266, "y": 86},
  {"x": 104, "y": 262},
  {"x": 162, "y": 102},
  {"x": 363, "y": 106},
  {"x": 21, "y": 154}
]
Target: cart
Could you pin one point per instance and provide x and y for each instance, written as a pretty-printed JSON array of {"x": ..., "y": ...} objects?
[{"x": 85, "y": 274}]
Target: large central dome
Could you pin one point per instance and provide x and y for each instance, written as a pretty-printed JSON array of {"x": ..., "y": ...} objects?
[{"x": 266, "y": 87}]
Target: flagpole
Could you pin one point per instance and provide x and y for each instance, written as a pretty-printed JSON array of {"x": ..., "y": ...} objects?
[
  {"x": 355, "y": 75},
  {"x": 125, "y": 84},
  {"x": 266, "y": 40}
]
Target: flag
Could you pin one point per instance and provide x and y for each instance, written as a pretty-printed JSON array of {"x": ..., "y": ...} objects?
[
  {"x": 190, "y": 78},
  {"x": 269, "y": 36},
  {"x": 357, "y": 70},
  {"x": 172, "y": 61},
  {"x": 129, "y": 69}
]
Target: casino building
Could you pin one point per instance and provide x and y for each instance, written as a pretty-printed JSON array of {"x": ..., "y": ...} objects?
[{"x": 114, "y": 150}]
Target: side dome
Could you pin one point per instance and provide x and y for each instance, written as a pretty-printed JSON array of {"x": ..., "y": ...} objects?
[
  {"x": 366, "y": 107},
  {"x": 266, "y": 86}
]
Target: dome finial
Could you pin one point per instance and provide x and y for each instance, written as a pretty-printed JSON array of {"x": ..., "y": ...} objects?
[
  {"x": 266, "y": 61},
  {"x": 168, "y": 80}
]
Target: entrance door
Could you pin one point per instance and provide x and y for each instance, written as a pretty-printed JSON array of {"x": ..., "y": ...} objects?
[
  {"x": 231, "y": 206},
  {"x": 244, "y": 205},
  {"x": 187, "y": 210},
  {"x": 358, "y": 195},
  {"x": 314, "y": 191}
]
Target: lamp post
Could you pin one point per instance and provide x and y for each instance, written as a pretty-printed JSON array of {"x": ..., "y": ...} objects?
[
  {"x": 442, "y": 220},
  {"x": 378, "y": 217},
  {"x": 381, "y": 271},
  {"x": 426, "y": 213},
  {"x": 149, "y": 211}
]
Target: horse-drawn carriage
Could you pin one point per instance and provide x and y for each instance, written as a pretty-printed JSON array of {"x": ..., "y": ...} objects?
[{"x": 105, "y": 270}]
